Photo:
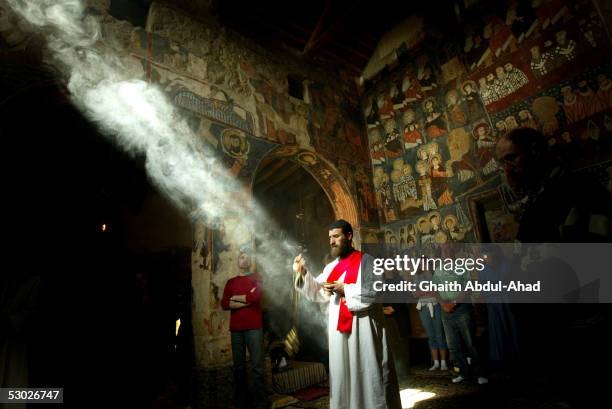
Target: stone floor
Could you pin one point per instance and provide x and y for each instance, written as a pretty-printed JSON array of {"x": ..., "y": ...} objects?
[
  {"x": 434, "y": 390},
  {"x": 438, "y": 392},
  {"x": 423, "y": 390}
]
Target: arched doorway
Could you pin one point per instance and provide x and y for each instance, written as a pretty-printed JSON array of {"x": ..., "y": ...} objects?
[
  {"x": 297, "y": 203},
  {"x": 303, "y": 194},
  {"x": 323, "y": 172},
  {"x": 299, "y": 206}
]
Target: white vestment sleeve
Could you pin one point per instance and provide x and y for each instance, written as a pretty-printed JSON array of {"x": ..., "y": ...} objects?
[
  {"x": 312, "y": 288},
  {"x": 361, "y": 295}
]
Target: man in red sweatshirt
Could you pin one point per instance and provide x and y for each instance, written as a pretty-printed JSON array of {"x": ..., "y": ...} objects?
[{"x": 242, "y": 295}]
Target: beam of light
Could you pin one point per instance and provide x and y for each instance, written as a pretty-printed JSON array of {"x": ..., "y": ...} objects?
[
  {"x": 177, "y": 325},
  {"x": 139, "y": 118},
  {"x": 411, "y": 396}
]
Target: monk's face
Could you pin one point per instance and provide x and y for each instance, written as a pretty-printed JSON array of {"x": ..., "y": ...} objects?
[
  {"x": 339, "y": 242},
  {"x": 513, "y": 162}
]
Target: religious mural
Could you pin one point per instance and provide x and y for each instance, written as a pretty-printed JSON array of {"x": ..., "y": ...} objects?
[
  {"x": 432, "y": 124},
  {"x": 219, "y": 110},
  {"x": 448, "y": 225},
  {"x": 235, "y": 98},
  {"x": 562, "y": 39},
  {"x": 426, "y": 145},
  {"x": 575, "y": 114},
  {"x": 215, "y": 80}
]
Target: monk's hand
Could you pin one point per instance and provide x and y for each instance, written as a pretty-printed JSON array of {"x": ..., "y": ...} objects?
[
  {"x": 299, "y": 265},
  {"x": 335, "y": 287},
  {"x": 388, "y": 310}
]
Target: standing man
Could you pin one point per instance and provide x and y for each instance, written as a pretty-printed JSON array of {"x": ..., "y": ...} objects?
[
  {"x": 458, "y": 322},
  {"x": 362, "y": 375},
  {"x": 242, "y": 295},
  {"x": 560, "y": 206}
]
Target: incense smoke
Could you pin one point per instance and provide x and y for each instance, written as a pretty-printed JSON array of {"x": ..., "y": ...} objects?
[{"x": 140, "y": 119}]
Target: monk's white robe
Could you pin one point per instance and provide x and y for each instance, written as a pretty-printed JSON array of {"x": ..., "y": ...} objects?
[{"x": 361, "y": 371}]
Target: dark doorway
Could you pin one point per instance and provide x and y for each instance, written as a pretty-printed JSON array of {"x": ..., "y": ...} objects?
[{"x": 298, "y": 204}]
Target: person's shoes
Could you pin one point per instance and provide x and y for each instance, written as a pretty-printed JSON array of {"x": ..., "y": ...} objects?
[
  {"x": 443, "y": 367},
  {"x": 434, "y": 367},
  {"x": 482, "y": 380},
  {"x": 458, "y": 379}
]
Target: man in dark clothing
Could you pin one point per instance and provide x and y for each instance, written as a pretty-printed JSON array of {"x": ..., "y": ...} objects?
[
  {"x": 397, "y": 324},
  {"x": 558, "y": 207},
  {"x": 242, "y": 295}
]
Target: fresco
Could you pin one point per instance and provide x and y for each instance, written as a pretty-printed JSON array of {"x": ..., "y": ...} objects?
[
  {"x": 336, "y": 126},
  {"x": 217, "y": 109},
  {"x": 451, "y": 224},
  {"x": 427, "y": 147},
  {"x": 432, "y": 123},
  {"x": 575, "y": 113},
  {"x": 216, "y": 79},
  {"x": 327, "y": 118},
  {"x": 544, "y": 58},
  {"x": 509, "y": 27}
]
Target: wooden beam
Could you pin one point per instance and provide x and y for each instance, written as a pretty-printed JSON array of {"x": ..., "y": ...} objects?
[
  {"x": 285, "y": 33},
  {"x": 350, "y": 50},
  {"x": 318, "y": 27},
  {"x": 364, "y": 45},
  {"x": 339, "y": 59},
  {"x": 325, "y": 36},
  {"x": 331, "y": 56}
]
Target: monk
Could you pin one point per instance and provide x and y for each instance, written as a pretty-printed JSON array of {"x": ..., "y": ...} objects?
[{"x": 362, "y": 375}]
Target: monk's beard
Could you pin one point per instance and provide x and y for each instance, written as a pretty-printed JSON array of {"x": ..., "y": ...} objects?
[{"x": 340, "y": 251}]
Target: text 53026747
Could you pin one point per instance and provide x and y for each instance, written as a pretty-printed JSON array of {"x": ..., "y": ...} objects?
[{"x": 23, "y": 395}]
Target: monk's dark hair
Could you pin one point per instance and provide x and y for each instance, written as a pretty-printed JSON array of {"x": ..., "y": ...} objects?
[
  {"x": 342, "y": 224},
  {"x": 528, "y": 140}
]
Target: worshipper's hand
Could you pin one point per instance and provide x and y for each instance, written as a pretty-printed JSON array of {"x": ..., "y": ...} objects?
[
  {"x": 239, "y": 298},
  {"x": 234, "y": 305},
  {"x": 388, "y": 310},
  {"x": 335, "y": 287},
  {"x": 299, "y": 265}
]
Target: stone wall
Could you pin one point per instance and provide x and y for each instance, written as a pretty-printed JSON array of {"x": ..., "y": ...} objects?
[{"x": 235, "y": 96}]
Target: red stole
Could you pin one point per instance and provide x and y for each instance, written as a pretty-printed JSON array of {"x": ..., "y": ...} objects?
[{"x": 350, "y": 265}]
